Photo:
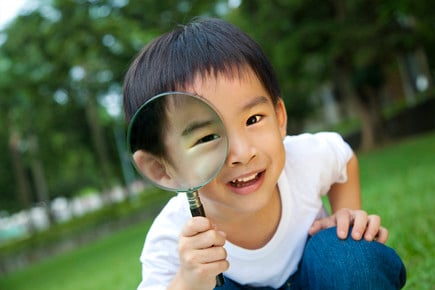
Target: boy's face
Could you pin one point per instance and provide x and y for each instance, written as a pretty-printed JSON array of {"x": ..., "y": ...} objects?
[
  {"x": 255, "y": 129},
  {"x": 195, "y": 142}
]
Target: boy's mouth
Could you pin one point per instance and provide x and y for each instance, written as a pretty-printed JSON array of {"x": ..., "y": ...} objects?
[{"x": 246, "y": 181}]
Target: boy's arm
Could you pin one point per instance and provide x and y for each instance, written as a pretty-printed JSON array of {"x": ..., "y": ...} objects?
[
  {"x": 348, "y": 194},
  {"x": 345, "y": 201}
]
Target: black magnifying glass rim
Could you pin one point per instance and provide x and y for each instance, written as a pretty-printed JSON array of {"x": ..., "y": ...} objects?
[{"x": 129, "y": 133}]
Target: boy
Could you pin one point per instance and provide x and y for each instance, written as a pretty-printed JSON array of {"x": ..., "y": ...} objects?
[{"x": 266, "y": 227}]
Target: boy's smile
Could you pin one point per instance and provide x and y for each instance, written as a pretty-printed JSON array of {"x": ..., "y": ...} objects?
[
  {"x": 255, "y": 128},
  {"x": 246, "y": 181},
  {"x": 246, "y": 185}
]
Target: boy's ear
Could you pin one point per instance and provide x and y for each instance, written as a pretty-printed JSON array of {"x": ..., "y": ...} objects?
[
  {"x": 281, "y": 116},
  {"x": 153, "y": 168}
]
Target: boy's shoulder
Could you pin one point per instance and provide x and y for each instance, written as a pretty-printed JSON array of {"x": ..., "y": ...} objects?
[
  {"x": 317, "y": 144},
  {"x": 320, "y": 138}
]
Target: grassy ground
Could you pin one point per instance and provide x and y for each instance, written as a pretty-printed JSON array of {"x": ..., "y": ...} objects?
[
  {"x": 110, "y": 263},
  {"x": 398, "y": 183}
]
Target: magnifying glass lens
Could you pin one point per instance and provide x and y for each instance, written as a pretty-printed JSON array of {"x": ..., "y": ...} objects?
[{"x": 177, "y": 141}]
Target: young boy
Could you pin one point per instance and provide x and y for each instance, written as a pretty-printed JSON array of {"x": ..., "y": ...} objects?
[{"x": 266, "y": 227}]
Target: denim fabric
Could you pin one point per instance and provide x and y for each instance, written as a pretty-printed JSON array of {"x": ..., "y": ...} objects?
[{"x": 331, "y": 263}]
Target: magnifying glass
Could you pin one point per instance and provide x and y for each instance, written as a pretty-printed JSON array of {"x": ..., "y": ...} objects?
[{"x": 178, "y": 142}]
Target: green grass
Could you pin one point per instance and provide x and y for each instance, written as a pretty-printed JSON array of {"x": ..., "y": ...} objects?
[
  {"x": 110, "y": 263},
  {"x": 398, "y": 182}
]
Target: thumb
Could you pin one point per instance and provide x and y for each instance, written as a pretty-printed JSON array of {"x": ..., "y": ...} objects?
[
  {"x": 321, "y": 224},
  {"x": 315, "y": 227}
]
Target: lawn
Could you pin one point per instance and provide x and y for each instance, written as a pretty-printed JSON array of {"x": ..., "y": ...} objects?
[
  {"x": 110, "y": 263},
  {"x": 398, "y": 182}
]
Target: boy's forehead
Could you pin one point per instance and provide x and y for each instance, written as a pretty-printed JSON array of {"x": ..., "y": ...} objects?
[
  {"x": 209, "y": 81},
  {"x": 231, "y": 94}
]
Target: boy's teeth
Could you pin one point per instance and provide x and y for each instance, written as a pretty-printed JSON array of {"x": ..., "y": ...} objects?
[{"x": 245, "y": 179}]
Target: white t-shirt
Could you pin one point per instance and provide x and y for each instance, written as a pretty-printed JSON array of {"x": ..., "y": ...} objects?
[{"x": 313, "y": 163}]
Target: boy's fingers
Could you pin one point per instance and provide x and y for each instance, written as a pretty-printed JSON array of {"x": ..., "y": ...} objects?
[
  {"x": 195, "y": 226},
  {"x": 382, "y": 236},
  {"x": 362, "y": 224},
  {"x": 203, "y": 240},
  {"x": 322, "y": 224},
  {"x": 211, "y": 255},
  {"x": 360, "y": 220},
  {"x": 375, "y": 231},
  {"x": 373, "y": 227},
  {"x": 199, "y": 233},
  {"x": 210, "y": 270},
  {"x": 315, "y": 227},
  {"x": 344, "y": 219}
]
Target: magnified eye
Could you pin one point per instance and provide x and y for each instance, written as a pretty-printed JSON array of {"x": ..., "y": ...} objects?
[{"x": 207, "y": 138}]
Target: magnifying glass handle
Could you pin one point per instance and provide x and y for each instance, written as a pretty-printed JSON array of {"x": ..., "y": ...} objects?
[
  {"x": 220, "y": 280},
  {"x": 196, "y": 209}
]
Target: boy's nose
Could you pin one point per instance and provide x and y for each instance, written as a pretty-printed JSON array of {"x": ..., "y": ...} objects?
[{"x": 240, "y": 151}]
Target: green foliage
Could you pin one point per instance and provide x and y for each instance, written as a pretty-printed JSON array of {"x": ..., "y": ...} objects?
[
  {"x": 346, "y": 44},
  {"x": 60, "y": 61},
  {"x": 86, "y": 191},
  {"x": 58, "y": 64}
]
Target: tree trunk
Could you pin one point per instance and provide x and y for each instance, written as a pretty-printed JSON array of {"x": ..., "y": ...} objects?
[
  {"x": 99, "y": 142},
  {"x": 368, "y": 111},
  {"x": 23, "y": 184},
  {"x": 373, "y": 132},
  {"x": 40, "y": 181},
  {"x": 126, "y": 165}
]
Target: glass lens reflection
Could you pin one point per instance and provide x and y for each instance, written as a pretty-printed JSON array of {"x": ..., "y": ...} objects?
[{"x": 177, "y": 141}]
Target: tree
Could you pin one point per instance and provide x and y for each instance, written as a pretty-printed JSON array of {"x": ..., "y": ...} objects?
[
  {"x": 18, "y": 107},
  {"x": 352, "y": 43},
  {"x": 58, "y": 64}
]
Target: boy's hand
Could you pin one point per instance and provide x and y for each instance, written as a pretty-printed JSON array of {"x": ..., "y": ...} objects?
[
  {"x": 367, "y": 226},
  {"x": 202, "y": 255}
]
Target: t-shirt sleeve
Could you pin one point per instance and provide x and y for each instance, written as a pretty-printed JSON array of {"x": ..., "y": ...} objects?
[
  {"x": 318, "y": 160},
  {"x": 340, "y": 152},
  {"x": 159, "y": 256}
]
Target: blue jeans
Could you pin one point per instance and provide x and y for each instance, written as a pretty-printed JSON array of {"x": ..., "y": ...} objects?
[{"x": 331, "y": 263}]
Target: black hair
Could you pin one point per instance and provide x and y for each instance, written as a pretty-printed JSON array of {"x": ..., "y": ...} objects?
[
  {"x": 147, "y": 128},
  {"x": 202, "y": 47}
]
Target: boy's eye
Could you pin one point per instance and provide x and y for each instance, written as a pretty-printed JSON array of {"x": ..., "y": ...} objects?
[
  {"x": 254, "y": 119},
  {"x": 207, "y": 138}
]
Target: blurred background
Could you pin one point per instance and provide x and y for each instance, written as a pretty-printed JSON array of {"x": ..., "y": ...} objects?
[{"x": 74, "y": 213}]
